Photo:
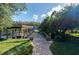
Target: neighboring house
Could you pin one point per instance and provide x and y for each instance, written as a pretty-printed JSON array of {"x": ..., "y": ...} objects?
[{"x": 20, "y": 31}]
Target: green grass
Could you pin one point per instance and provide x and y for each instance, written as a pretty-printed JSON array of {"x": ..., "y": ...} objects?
[
  {"x": 36, "y": 31},
  {"x": 10, "y": 44},
  {"x": 70, "y": 47},
  {"x": 63, "y": 48},
  {"x": 73, "y": 34}
]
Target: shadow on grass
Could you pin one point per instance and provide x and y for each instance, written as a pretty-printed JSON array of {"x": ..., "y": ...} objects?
[
  {"x": 16, "y": 41},
  {"x": 2, "y": 39},
  {"x": 67, "y": 47}
]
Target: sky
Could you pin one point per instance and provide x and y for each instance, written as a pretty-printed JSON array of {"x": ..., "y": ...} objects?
[{"x": 36, "y": 12}]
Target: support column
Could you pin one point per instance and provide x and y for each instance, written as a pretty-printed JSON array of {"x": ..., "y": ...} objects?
[
  {"x": 21, "y": 32},
  {"x": 15, "y": 33},
  {"x": 12, "y": 33},
  {"x": 27, "y": 32}
]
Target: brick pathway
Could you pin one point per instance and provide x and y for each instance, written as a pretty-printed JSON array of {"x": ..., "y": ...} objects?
[{"x": 41, "y": 46}]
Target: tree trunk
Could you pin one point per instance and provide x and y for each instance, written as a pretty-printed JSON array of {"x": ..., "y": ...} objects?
[
  {"x": 64, "y": 30},
  {"x": 0, "y": 33}
]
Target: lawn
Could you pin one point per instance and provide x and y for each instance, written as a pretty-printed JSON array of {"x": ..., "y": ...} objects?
[
  {"x": 68, "y": 47},
  {"x": 73, "y": 34},
  {"x": 65, "y": 48},
  {"x": 14, "y": 45}
]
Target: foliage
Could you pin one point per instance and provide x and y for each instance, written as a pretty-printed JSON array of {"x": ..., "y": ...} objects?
[
  {"x": 6, "y": 12},
  {"x": 66, "y": 19},
  {"x": 45, "y": 25},
  {"x": 34, "y": 23},
  {"x": 27, "y": 23},
  {"x": 61, "y": 21}
]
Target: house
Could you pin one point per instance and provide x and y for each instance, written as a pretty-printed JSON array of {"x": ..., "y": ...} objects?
[{"x": 19, "y": 31}]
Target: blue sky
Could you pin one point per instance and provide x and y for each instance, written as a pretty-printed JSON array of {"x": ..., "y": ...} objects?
[{"x": 37, "y": 11}]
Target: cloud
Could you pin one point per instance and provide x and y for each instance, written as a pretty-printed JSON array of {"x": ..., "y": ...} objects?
[
  {"x": 57, "y": 8},
  {"x": 43, "y": 15},
  {"x": 24, "y": 12},
  {"x": 35, "y": 18},
  {"x": 69, "y": 4},
  {"x": 49, "y": 13}
]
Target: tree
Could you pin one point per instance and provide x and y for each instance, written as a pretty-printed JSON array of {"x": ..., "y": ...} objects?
[
  {"x": 61, "y": 21},
  {"x": 6, "y": 12},
  {"x": 45, "y": 25},
  {"x": 66, "y": 19}
]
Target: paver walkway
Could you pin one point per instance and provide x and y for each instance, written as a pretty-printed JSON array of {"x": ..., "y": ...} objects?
[{"x": 41, "y": 46}]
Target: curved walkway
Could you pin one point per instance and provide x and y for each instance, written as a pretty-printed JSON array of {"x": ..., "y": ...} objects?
[{"x": 41, "y": 46}]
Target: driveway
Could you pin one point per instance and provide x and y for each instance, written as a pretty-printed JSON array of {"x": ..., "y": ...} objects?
[{"x": 41, "y": 46}]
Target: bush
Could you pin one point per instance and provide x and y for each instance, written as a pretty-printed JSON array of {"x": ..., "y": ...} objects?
[{"x": 65, "y": 48}]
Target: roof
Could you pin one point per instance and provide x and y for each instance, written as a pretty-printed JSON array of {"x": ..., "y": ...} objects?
[{"x": 20, "y": 26}]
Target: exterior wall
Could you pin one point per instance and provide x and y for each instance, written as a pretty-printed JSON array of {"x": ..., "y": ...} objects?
[{"x": 21, "y": 32}]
